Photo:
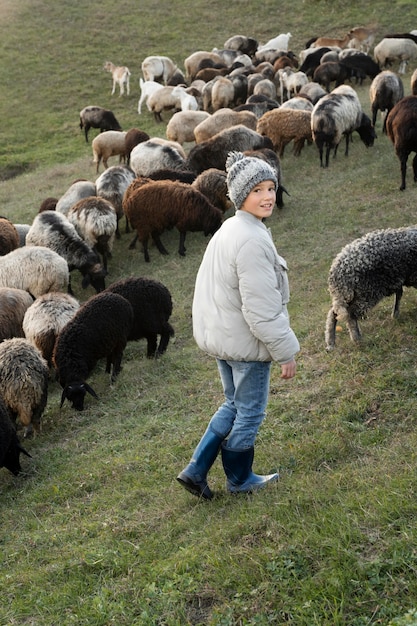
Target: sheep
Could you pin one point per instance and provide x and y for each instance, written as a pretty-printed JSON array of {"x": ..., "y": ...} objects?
[
  {"x": 214, "y": 151},
  {"x": 35, "y": 269},
  {"x": 222, "y": 93},
  {"x": 162, "y": 205},
  {"x": 53, "y": 230},
  {"x": 163, "y": 100},
  {"x": 313, "y": 59},
  {"x": 23, "y": 382},
  {"x": 385, "y": 91},
  {"x": 97, "y": 117},
  {"x": 362, "y": 38},
  {"x": 181, "y": 126},
  {"x": 152, "y": 307},
  {"x": 177, "y": 78},
  {"x": 121, "y": 77},
  {"x": 13, "y": 306},
  {"x": 401, "y": 126},
  {"x": 265, "y": 87},
  {"x": 98, "y": 330},
  {"x": 182, "y": 176},
  {"x": 10, "y": 447},
  {"x": 242, "y": 43},
  {"x": 132, "y": 138},
  {"x": 158, "y": 68},
  {"x": 48, "y": 204},
  {"x": 285, "y": 125},
  {"x": 285, "y": 61},
  {"x": 171, "y": 144},
  {"x": 9, "y": 237},
  {"x": 45, "y": 318},
  {"x": 258, "y": 108},
  {"x": 332, "y": 41},
  {"x": 108, "y": 144},
  {"x": 149, "y": 156},
  {"x": 366, "y": 270},
  {"x": 77, "y": 191},
  {"x": 111, "y": 185},
  {"x": 147, "y": 88},
  {"x": 222, "y": 119},
  {"x": 192, "y": 62},
  {"x": 389, "y": 49},
  {"x": 336, "y": 114},
  {"x": 187, "y": 101},
  {"x": 22, "y": 231},
  {"x": 280, "y": 42},
  {"x": 95, "y": 220},
  {"x": 212, "y": 184},
  {"x": 313, "y": 91},
  {"x": 329, "y": 72},
  {"x": 413, "y": 83},
  {"x": 299, "y": 103},
  {"x": 360, "y": 65},
  {"x": 290, "y": 82}
]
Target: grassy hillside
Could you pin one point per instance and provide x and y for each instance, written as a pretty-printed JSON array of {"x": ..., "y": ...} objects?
[{"x": 97, "y": 531}]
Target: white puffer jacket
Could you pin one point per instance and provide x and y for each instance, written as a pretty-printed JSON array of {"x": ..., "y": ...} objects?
[{"x": 241, "y": 295}]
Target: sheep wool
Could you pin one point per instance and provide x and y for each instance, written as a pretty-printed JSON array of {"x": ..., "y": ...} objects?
[{"x": 243, "y": 174}]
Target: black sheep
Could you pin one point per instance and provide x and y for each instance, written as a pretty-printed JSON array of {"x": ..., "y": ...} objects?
[
  {"x": 10, "y": 447},
  {"x": 99, "y": 329},
  {"x": 152, "y": 307},
  {"x": 97, "y": 117}
]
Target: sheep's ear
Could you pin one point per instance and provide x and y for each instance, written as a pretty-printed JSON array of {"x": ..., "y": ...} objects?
[{"x": 91, "y": 391}]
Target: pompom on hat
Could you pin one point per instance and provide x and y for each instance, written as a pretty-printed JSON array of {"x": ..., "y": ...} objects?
[{"x": 244, "y": 173}]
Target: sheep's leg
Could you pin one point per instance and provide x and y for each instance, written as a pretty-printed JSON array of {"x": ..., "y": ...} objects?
[
  {"x": 182, "y": 248},
  {"x": 151, "y": 339},
  {"x": 133, "y": 242},
  {"x": 163, "y": 344},
  {"x": 159, "y": 244},
  {"x": 353, "y": 326},
  {"x": 327, "y": 155},
  {"x": 347, "y": 144},
  {"x": 415, "y": 168},
  {"x": 397, "y": 300},
  {"x": 330, "y": 332},
  {"x": 403, "y": 161}
]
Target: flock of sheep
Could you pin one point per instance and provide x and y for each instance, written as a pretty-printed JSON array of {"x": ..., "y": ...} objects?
[{"x": 248, "y": 97}]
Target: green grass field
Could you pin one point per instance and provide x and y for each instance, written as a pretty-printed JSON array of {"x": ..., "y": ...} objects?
[{"x": 97, "y": 531}]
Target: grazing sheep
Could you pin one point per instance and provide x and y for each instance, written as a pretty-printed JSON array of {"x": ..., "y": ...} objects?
[
  {"x": 258, "y": 108},
  {"x": 108, "y": 144},
  {"x": 13, "y": 306},
  {"x": 120, "y": 75},
  {"x": 242, "y": 43},
  {"x": 22, "y": 231},
  {"x": 413, "y": 83},
  {"x": 9, "y": 237},
  {"x": 95, "y": 220},
  {"x": 133, "y": 137},
  {"x": 214, "y": 151},
  {"x": 98, "y": 330},
  {"x": 163, "y": 100},
  {"x": 77, "y": 191},
  {"x": 401, "y": 125},
  {"x": 285, "y": 61},
  {"x": 45, "y": 318},
  {"x": 222, "y": 93},
  {"x": 313, "y": 59},
  {"x": 300, "y": 103},
  {"x": 162, "y": 205},
  {"x": 336, "y": 114},
  {"x": 111, "y": 185},
  {"x": 282, "y": 126},
  {"x": 329, "y": 72},
  {"x": 158, "y": 68},
  {"x": 23, "y": 382},
  {"x": 360, "y": 66},
  {"x": 290, "y": 82},
  {"x": 313, "y": 91},
  {"x": 212, "y": 184},
  {"x": 366, "y": 270},
  {"x": 150, "y": 156},
  {"x": 385, "y": 91},
  {"x": 54, "y": 231},
  {"x": 49, "y": 204},
  {"x": 187, "y": 101},
  {"x": 10, "y": 447},
  {"x": 35, "y": 269},
  {"x": 152, "y": 307},
  {"x": 180, "y": 127},
  {"x": 192, "y": 62},
  {"x": 222, "y": 119},
  {"x": 388, "y": 50},
  {"x": 147, "y": 88},
  {"x": 182, "y": 176},
  {"x": 97, "y": 117},
  {"x": 267, "y": 88}
]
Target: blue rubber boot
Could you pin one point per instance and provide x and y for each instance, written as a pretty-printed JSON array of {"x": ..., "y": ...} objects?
[
  {"x": 194, "y": 477},
  {"x": 237, "y": 465}
]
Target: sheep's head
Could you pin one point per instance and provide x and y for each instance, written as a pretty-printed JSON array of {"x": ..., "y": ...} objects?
[
  {"x": 95, "y": 277},
  {"x": 75, "y": 393}
]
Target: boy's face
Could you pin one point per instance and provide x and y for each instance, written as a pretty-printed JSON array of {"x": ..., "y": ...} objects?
[{"x": 261, "y": 200}]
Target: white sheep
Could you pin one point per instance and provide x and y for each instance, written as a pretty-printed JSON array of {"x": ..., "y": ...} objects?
[
  {"x": 290, "y": 82},
  {"x": 36, "y": 269},
  {"x": 222, "y": 119},
  {"x": 147, "y": 88},
  {"x": 188, "y": 102},
  {"x": 180, "y": 127},
  {"x": 158, "y": 68},
  {"x": 111, "y": 185},
  {"x": 120, "y": 75},
  {"x": 390, "y": 49},
  {"x": 150, "y": 156},
  {"x": 45, "y": 318},
  {"x": 78, "y": 190},
  {"x": 108, "y": 144},
  {"x": 385, "y": 91},
  {"x": 298, "y": 102}
]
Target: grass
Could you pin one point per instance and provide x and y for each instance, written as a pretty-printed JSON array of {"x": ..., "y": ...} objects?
[{"x": 97, "y": 531}]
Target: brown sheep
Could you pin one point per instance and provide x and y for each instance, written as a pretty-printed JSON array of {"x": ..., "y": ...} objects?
[
  {"x": 162, "y": 205},
  {"x": 222, "y": 119},
  {"x": 401, "y": 124},
  {"x": 9, "y": 237},
  {"x": 285, "y": 125},
  {"x": 132, "y": 138},
  {"x": 108, "y": 144},
  {"x": 222, "y": 93},
  {"x": 212, "y": 183},
  {"x": 13, "y": 306}
]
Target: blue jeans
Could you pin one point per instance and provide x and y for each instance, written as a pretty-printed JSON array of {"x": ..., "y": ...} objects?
[{"x": 246, "y": 389}]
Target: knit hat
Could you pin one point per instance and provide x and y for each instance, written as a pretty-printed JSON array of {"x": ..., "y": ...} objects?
[{"x": 244, "y": 173}]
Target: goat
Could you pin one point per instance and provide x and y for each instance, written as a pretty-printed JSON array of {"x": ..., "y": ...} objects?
[{"x": 121, "y": 77}]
